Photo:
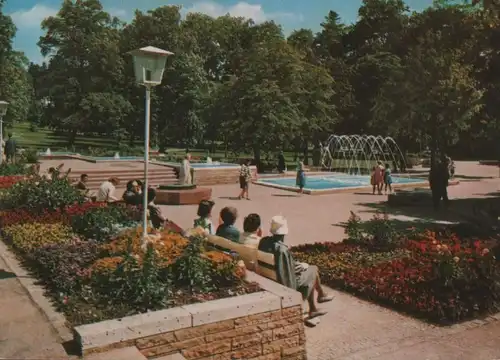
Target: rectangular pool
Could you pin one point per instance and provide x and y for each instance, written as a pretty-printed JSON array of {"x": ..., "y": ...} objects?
[{"x": 335, "y": 182}]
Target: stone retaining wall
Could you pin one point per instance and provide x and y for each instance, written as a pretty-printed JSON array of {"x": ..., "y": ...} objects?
[
  {"x": 266, "y": 325},
  {"x": 218, "y": 176}
]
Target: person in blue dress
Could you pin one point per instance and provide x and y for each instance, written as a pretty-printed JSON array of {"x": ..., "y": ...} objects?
[
  {"x": 301, "y": 176},
  {"x": 388, "y": 178}
]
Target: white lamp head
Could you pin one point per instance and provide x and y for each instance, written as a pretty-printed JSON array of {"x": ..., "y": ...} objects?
[
  {"x": 149, "y": 65},
  {"x": 3, "y": 107}
]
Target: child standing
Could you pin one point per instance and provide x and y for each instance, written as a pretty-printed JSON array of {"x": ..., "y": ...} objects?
[
  {"x": 372, "y": 180},
  {"x": 205, "y": 214},
  {"x": 388, "y": 179}
]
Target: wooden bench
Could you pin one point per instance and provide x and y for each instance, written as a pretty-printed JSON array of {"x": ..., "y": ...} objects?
[{"x": 260, "y": 262}]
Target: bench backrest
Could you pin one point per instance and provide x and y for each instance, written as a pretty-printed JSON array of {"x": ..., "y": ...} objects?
[{"x": 261, "y": 262}]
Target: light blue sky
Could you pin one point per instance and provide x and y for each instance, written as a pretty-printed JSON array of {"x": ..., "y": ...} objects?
[{"x": 292, "y": 14}]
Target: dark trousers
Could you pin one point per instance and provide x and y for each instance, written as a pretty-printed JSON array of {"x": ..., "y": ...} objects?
[
  {"x": 10, "y": 158},
  {"x": 439, "y": 193}
]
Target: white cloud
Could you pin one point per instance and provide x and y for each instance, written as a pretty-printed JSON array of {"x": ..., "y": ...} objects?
[
  {"x": 119, "y": 13},
  {"x": 241, "y": 9},
  {"x": 32, "y": 17}
]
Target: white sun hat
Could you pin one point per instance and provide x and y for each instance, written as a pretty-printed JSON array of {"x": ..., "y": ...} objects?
[{"x": 279, "y": 225}]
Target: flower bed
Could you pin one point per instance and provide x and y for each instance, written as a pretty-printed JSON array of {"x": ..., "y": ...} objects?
[
  {"x": 436, "y": 275},
  {"x": 8, "y": 181},
  {"x": 90, "y": 258}
]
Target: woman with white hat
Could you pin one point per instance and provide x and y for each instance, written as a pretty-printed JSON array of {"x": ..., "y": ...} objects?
[{"x": 300, "y": 276}]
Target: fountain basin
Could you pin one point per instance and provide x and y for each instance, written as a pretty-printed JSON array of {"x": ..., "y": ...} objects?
[{"x": 182, "y": 194}]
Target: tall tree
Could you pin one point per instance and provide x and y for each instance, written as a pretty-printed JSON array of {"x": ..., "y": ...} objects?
[
  {"x": 15, "y": 87},
  {"x": 86, "y": 64}
]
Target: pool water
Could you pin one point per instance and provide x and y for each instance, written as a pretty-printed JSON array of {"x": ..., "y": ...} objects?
[
  {"x": 211, "y": 166},
  {"x": 337, "y": 181},
  {"x": 110, "y": 158},
  {"x": 56, "y": 153}
]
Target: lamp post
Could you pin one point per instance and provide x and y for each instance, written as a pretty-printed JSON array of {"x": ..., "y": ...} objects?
[
  {"x": 3, "y": 111},
  {"x": 149, "y": 65}
]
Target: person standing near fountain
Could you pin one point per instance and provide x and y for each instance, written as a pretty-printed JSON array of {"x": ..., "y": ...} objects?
[
  {"x": 377, "y": 178},
  {"x": 281, "y": 163},
  {"x": 438, "y": 181},
  {"x": 185, "y": 177},
  {"x": 300, "y": 180},
  {"x": 387, "y": 178}
]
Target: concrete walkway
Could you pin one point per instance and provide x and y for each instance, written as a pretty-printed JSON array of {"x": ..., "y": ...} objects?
[
  {"x": 357, "y": 330},
  {"x": 25, "y": 333},
  {"x": 352, "y": 329}
]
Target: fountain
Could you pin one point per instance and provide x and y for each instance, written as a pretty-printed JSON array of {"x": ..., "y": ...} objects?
[
  {"x": 48, "y": 152},
  {"x": 357, "y": 154},
  {"x": 117, "y": 156}
]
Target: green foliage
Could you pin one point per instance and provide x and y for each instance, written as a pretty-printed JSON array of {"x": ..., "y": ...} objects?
[
  {"x": 382, "y": 233},
  {"x": 30, "y": 156},
  {"x": 427, "y": 79},
  {"x": 140, "y": 286},
  {"x": 13, "y": 169},
  {"x": 100, "y": 224},
  {"x": 38, "y": 195},
  {"x": 191, "y": 269},
  {"x": 354, "y": 230}
]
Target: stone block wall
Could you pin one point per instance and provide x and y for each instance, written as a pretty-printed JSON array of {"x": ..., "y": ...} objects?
[
  {"x": 218, "y": 176},
  {"x": 266, "y": 325},
  {"x": 267, "y": 336}
]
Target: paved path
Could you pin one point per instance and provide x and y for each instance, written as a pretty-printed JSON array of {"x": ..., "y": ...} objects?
[
  {"x": 352, "y": 329},
  {"x": 24, "y": 331}
]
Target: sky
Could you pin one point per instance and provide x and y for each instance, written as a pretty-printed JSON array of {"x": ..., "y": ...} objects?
[{"x": 291, "y": 14}]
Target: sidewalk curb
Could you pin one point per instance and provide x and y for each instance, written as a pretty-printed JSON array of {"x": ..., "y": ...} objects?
[{"x": 36, "y": 294}]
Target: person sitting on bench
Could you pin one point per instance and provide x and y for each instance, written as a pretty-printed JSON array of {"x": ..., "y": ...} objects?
[{"x": 299, "y": 276}]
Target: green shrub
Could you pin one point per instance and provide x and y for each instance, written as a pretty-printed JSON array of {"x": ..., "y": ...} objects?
[
  {"x": 141, "y": 285},
  {"x": 30, "y": 156},
  {"x": 101, "y": 224},
  {"x": 39, "y": 195},
  {"x": 13, "y": 169}
]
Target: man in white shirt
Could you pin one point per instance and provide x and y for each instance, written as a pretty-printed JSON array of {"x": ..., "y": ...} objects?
[
  {"x": 107, "y": 189},
  {"x": 252, "y": 231},
  {"x": 185, "y": 171}
]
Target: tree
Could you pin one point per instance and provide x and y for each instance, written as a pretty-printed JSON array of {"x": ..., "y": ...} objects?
[
  {"x": 86, "y": 64},
  {"x": 434, "y": 95},
  {"x": 257, "y": 106},
  {"x": 15, "y": 86}
]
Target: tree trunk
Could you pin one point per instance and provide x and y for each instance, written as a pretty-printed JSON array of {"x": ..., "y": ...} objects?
[
  {"x": 72, "y": 138},
  {"x": 306, "y": 152}
]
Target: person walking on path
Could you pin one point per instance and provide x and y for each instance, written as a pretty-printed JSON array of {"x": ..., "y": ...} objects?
[
  {"x": 245, "y": 179},
  {"x": 10, "y": 150},
  {"x": 300, "y": 180}
]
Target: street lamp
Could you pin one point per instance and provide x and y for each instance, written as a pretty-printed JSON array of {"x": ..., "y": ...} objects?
[
  {"x": 149, "y": 65},
  {"x": 3, "y": 111}
]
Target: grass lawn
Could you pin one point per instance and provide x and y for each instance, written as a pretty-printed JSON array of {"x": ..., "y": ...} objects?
[{"x": 42, "y": 139}]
